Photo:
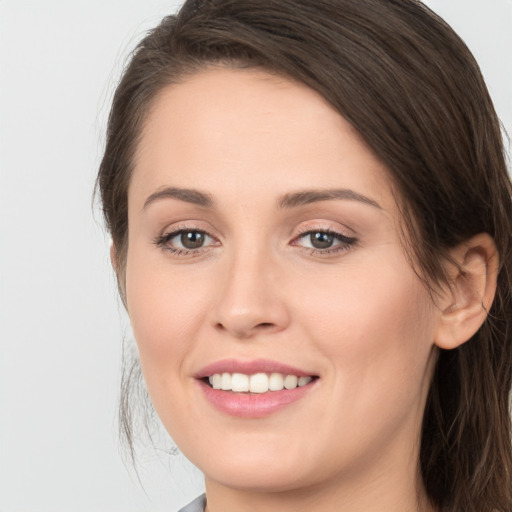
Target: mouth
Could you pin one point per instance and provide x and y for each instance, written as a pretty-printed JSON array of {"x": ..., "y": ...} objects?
[
  {"x": 257, "y": 383},
  {"x": 254, "y": 389}
]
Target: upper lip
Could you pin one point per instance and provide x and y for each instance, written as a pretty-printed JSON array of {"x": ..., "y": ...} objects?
[{"x": 250, "y": 368}]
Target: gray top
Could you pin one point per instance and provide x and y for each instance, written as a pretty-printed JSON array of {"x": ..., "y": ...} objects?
[{"x": 198, "y": 505}]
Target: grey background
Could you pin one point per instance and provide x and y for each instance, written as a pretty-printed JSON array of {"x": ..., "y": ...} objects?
[{"x": 61, "y": 324}]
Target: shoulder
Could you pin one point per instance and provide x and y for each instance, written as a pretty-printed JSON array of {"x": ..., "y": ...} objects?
[{"x": 198, "y": 505}]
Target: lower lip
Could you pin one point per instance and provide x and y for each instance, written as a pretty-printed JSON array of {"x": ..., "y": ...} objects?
[{"x": 253, "y": 405}]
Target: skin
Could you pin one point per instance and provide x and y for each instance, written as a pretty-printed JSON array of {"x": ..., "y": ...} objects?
[{"x": 358, "y": 317}]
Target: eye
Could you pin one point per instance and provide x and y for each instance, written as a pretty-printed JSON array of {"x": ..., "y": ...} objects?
[
  {"x": 324, "y": 241},
  {"x": 185, "y": 241},
  {"x": 321, "y": 240},
  {"x": 190, "y": 239}
]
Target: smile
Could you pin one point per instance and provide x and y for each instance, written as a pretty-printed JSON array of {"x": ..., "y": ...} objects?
[
  {"x": 254, "y": 389},
  {"x": 257, "y": 382}
]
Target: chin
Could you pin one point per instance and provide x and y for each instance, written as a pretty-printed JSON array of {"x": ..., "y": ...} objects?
[
  {"x": 258, "y": 479},
  {"x": 259, "y": 470}
]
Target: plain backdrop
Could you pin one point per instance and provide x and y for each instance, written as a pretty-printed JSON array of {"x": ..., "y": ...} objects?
[{"x": 61, "y": 324}]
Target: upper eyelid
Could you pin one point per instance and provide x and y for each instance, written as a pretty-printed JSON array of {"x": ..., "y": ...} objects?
[
  {"x": 198, "y": 226},
  {"x": 185, "y": 226},
  {"x": 321, "y": 229},
  {"x": 329, "y": 231},
  {"x": 325, "y": 227}
]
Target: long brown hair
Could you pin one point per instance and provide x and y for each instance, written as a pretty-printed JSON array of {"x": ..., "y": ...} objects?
[{"x": 409, "y": 85}]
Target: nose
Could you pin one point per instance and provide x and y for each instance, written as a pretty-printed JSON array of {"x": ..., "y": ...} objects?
[{"x": 251, "y": 302}]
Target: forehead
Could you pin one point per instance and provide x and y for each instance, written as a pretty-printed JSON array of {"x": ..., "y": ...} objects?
[{"x": 251, "y": 129}]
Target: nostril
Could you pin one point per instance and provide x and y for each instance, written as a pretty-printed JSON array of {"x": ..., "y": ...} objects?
[{"x": 246, "y": 331}]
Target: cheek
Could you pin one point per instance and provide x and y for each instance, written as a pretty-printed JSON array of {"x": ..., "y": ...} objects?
[
  {"x": 371, "y": 305},
  {"x": 166, "y": 310},
  {"x": 377, "y": 329}
]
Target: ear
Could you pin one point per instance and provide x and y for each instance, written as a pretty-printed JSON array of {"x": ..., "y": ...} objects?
[{"x": 466, "y": 302}]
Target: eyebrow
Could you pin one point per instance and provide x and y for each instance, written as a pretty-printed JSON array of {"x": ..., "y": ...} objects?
[
  {"x": 313, "y": 196},
  {"x": 291, "y": 200},
  {"x": 188, "y": 195}
]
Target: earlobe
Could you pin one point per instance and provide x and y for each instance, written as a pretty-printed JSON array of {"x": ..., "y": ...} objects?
[{"x": 469, "y": 297}]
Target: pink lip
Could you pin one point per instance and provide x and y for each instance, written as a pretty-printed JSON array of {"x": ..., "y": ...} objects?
[
  {"x": 252, "y": 405},
  {"x": 250, "y": 368}
]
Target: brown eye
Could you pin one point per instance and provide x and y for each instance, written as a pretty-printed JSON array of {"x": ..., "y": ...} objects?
[
  {"x": 192, "y": 239},
  {"x": 186, "y": 241},
  {"x": 321, "y": 240},
  {"x": 324, "y": 242}
]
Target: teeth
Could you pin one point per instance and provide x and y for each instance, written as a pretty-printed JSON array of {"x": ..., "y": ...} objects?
[
  {"x": 276, "y": 382},
  {"x": 216, "y": 381},
  {"x": 225, "y": 382},
  {"x": 304, "y": 380},
  {"x": 256, "y": 383},
  {"x": 240, "y": 382},
  {"x": 290, "y": 382}
]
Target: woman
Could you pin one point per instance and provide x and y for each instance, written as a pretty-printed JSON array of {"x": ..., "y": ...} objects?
[{"x": 311, "y": 220}]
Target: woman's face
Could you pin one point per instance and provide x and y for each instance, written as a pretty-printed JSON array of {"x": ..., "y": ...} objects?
[{"x": 264, "y": 251}]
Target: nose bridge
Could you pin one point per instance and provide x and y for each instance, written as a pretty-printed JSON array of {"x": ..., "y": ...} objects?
[{"x": 250, "y": 301}]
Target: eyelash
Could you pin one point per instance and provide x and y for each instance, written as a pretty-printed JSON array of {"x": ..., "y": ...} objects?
[
  {"x": 345, "y": 242},
  {"x": 163, "y": 240}
]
